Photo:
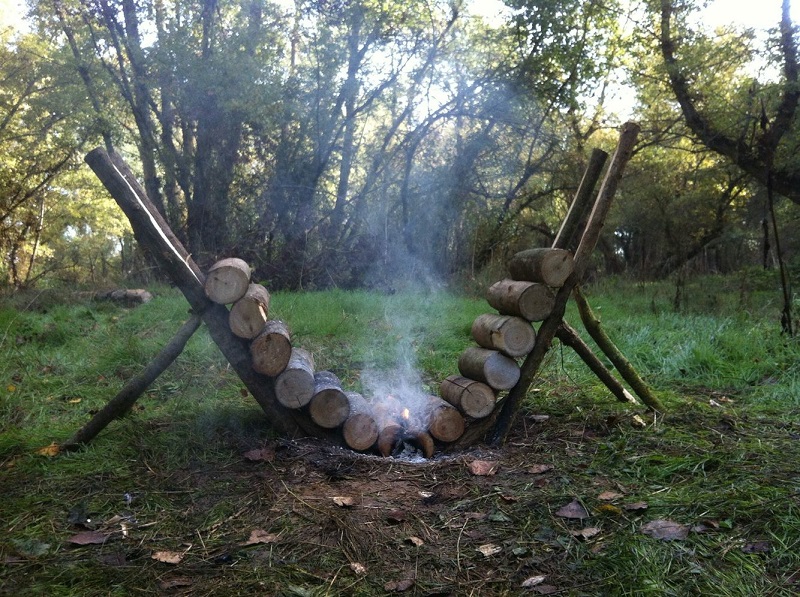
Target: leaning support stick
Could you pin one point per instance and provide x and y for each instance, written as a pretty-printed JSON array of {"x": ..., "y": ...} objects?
[{"x": 129, "y": 394}]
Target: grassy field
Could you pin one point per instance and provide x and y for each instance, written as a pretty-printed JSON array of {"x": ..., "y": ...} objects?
[{"x": 172, "y": 499}]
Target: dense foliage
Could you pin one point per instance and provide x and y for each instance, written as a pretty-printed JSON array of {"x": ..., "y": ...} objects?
[{"x": 345, "y": 143}]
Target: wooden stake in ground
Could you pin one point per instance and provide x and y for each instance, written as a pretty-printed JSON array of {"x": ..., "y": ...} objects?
[
  {"x": 489, "y": 366},
  {"x": 473, "y": 398},
  {"x": 249, "y": 314},
  {"x": 294, "y": 387},
  {"x": 128, "y": 395},
  {"x": 528, "y": 300},
  {"x": 272, "y": 348},
  {"x": 227, "y": 280},
  {"x": 512, "y": 336}
]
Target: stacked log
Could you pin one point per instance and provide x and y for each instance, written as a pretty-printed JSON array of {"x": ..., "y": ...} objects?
[
  {"x": 386, "y": 424},
  {"x": 271, "y": 349},
  {"x": 227, "y": 280},
  {"x": 360, "y": 430},
  {"x": 250, "y": 313},
  {"x": 329, "y": 406},
  {"x": 529, "y": 300},
  {"x": 294, "y": 387},
  {"x": 473, "y": 398}
]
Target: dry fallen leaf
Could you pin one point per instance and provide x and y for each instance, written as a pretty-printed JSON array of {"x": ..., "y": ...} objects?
[
  {"x": 610, "y": 509},
  {"x": 489, "y": 549},
  {"x": 396, "y": 516},
  {"x": 586, "y": 533},
  {"x": 546, "y": 589},
  {"x": 398, "y": 586},
  {"x": 51, "y": 450},
  {"x": 608, "y": 496},
  {"x": 176, "y": 582},
  {"x": 573, "y": 510},
  {"x": 533, "y": 581},
  {"x": 538, "y": 469},
  {"x": 666, "y": 530},
  {"x": 88, "y": 538},
  {"x": 260, "y": 455},
  {"x": 343, "y": 501},
  {"x": 483, "y": 468},
  {"x": 635, "y": 506},
  {"x": 260, "y": 536},
  {"x": 415, "y": 541},
  {"x": 757, "y": 547},
  {"x": 358, "y": 568},
  {"x": 168, "y": 557},
  {"x": 540, "y": 418}
]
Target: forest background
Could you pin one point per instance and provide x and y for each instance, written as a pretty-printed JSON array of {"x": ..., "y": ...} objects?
[{"x": 335, "y": 143}]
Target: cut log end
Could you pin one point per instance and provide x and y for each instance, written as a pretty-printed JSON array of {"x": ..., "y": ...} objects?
[
  {"x": 530, "y": 300},
  {"x": 271, "y": 349},
  {"x": 513, "y": 336},
  {"x": 294, "y": 387},
  {"x": 250, "y": 313},
  {"x": 548, "y": 266},
  {"x": 227, "y": 280},
  {"x": 473, "y": 398}
]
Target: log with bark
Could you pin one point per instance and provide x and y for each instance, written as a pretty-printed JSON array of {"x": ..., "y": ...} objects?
[
  {"x": 127, "y": 296},
  {"x": 528, "y": 300},
  {"x": 249, "y": 314},
  {"x": 294, "y": 387},
  {"x": 550, "y": 267},
  {"x": 227, "y": 280},
  {"x": 473, "y": 398},
  {"x": 512, "y": 336},
  {"x": 490, "y": 367},
  {"x": 442, "y": 419},
  {"x": 360, "y": 430},
  {"x": 272, "y": 348},
  {"x": 388, "y": 416},
  {"x": 329, "y": 406}
]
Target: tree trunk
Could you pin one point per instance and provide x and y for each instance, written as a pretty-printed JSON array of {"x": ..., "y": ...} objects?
[
  {"x": 512, "y": 336},
  {"x": 528, "y": 300}
]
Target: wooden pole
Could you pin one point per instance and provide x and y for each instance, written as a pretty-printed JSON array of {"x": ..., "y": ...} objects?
[{"x": 129, "y": 394}]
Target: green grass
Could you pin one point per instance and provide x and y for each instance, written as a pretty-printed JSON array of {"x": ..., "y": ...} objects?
[{"x": 723, "y": 460}]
